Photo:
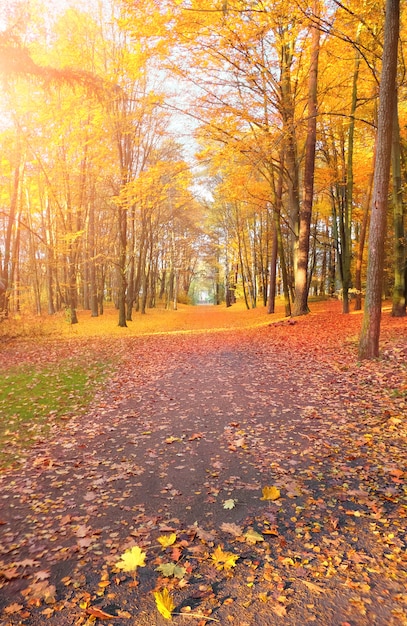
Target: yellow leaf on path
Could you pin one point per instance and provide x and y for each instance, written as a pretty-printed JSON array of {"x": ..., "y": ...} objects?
[
  {"x": 252, "y": 536},
  {"x": 164, "y": 602},
  {"x": 131, "y": 559},
  {"x": 270, "y": 493},
  {"x": 223, "y": 560},
  {"x": 167, "y": 540},
  {"x": 229, "y": 504}
]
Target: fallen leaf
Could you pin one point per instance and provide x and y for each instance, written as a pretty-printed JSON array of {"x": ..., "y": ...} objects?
[
  {"x": 164, "y": 603},
  {"x": 223, "y": 560},
  {"x": 195, "y": 436},
  {"x": 99, "y": 613},
  {"x": 167, "y": 540},
  {"x": 171, "y": 569},
  {"x": 11, "y": 609},
  {"x": 229, "y": 504},
  {"x": 233, "y": 529},
  {"x": 205, "y": 535},
  {"x": 252, "y": 536},
  {"x": 9, "y": 573},
  {"x": 131, "y": 559},
  {"x": 312, "y": 586},
  {"x": 270, "y": 493}
]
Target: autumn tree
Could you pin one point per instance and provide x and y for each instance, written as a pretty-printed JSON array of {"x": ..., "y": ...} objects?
[
  {"x": 399, "y": 289},
  {"x": 369, "y": 340}
]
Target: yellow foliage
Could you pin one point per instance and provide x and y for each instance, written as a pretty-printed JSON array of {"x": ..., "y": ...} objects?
[
  {"x": 167, "y": 540},
  {"x": 223, "y": 560},
  {"x": 164, "y": 602},
  {"x": 131, "y": 559},
  {"x": 270, "y": 493}
]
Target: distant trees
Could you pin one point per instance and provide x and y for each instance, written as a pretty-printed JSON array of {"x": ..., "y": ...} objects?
[{"x": 95, "y": 203}]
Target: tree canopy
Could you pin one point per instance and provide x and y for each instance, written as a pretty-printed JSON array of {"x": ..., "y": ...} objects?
[{"x": 197, "y": 150}]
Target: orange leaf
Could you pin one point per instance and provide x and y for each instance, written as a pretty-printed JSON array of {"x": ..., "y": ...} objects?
[{"x": 95, "y": 612}]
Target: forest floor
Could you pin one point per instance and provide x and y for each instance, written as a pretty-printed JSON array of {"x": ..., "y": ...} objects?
[{"x": 235, "y": 468}]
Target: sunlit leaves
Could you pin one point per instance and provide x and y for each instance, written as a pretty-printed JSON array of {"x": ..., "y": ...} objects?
[
  {"x": 229, "y": 504},
  {"x": 167, "y": 540},
  {"x": 172, "y": 569},
  {"x": 223, "y": 560},
  {"x": 253, "y": 537},
  {"x": 164, "y": 603},
  {"x": 131, "y": 559},
  {"x": 270, "y": 493}
]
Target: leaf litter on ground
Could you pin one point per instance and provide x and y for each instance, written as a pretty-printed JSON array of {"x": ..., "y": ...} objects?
[{"x": 280, "y": 410}]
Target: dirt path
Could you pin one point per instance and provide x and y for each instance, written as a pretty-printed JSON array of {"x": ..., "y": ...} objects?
[{"x": 193, "y": 423}]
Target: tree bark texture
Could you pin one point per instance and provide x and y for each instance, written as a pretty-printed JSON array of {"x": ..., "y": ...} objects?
[
  {"x": 369, "y": 339},
  {"x": 399, "y": 296},
  {"x": 301, "y": 273}
]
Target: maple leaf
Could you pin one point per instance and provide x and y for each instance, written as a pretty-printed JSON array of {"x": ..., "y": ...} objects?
[
  {"x": 164, "y": 603},
  {"x": 42, "y": 575},
  {"x": 252, "y": 536},
  {"x": 204, "y": 534},
  {"x": 233, "y": 529},
  {"x": 167, "y": 540},
  {"x": 171, "y": 569},
  {"x": 82, "y": 531},
  {"x": 270, "y": 493},
  {"x": 26, "y": 563},
  {"x": 41, "y": 590},
  {"x": 11, "y": 572},
  {"x": 229, "y": 504},
  {"x": 131, "y": 559},
  {"x": 223, "y": 560},
  {"x": 13, "y": 608}
]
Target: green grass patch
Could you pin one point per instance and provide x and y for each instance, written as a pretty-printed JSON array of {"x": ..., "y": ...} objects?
[{"x": 33, "y": 399}]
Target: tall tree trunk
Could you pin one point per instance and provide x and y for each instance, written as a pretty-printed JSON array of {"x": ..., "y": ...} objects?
[
  {"x": 50, "y": 257},
  {"x": 369, "y": 339},
  {"x": 130, "y": 295},
  {"x": 361, "y": 246},
  {"x": 122, "y": 223},
  {"x": 92, "y": 261},
  {"x": 301, "y": 270},
  {"x": 273, "y": 267},
  {"x": 399, "y": 289},
  {"x": 290, "y": 153},
  {"x": 347, "y": 243},
  {"x": 324, "y": 264},
  {"x": 36, "y": 283},
  {"x": 6, "y": 276}
]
